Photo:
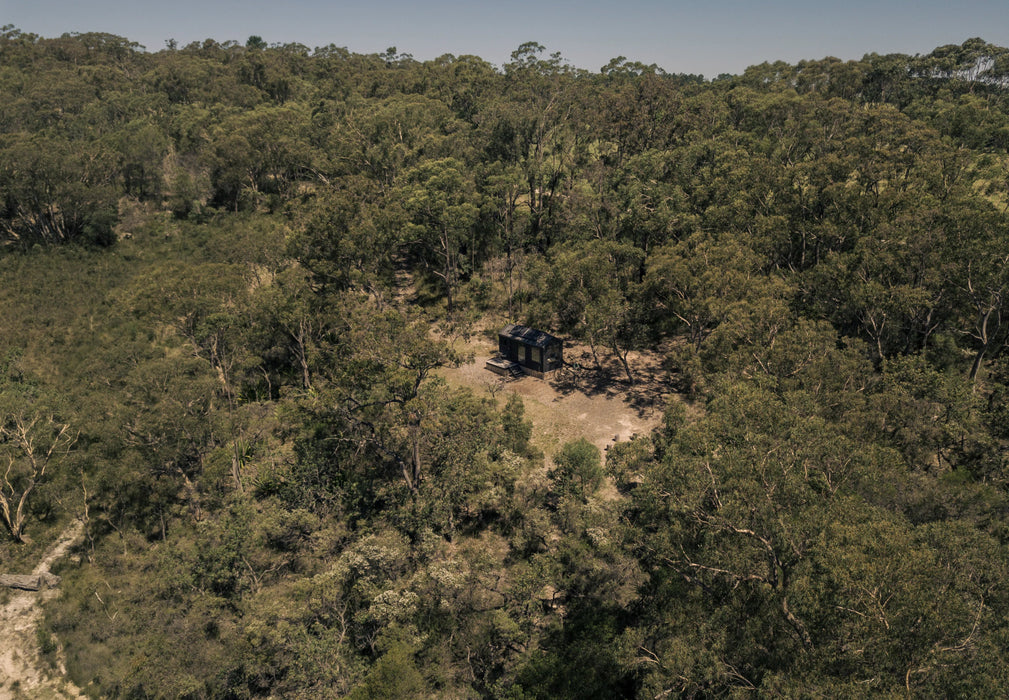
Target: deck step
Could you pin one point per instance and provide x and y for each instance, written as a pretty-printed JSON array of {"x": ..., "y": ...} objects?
[{"x": 504, "y": 367}]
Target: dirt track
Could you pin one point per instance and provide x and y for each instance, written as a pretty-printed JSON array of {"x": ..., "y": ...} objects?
[{"x": 22, "y": 675}]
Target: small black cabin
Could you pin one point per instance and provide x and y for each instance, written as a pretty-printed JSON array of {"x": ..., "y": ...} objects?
[{"x": 536, "y": 352}]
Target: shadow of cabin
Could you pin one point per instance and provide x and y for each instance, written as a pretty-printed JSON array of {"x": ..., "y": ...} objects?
[{"x": 524, "y": 350}]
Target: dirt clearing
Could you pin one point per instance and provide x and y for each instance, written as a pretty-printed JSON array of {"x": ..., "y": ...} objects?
[{"x": 584, "y": 400}]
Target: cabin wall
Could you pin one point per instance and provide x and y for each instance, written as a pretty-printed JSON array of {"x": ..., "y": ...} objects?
[
  {"x": 507, "y": 348},
  {"x": 534, "y": 360}
]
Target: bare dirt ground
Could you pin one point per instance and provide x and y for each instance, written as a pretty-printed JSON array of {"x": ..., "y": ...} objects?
[
  {"x": 598, "y": 404},
  {"x": 23, "y": 675}
]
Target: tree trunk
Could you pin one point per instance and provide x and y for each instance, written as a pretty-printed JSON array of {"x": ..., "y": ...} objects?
[
  {"x": 29, "y": 582},
  {"x": 978, "y": 358},
  {"x": 508, "y": 268},
  {"x": 622, "y": 356},
  {"x": 415, "y": 481},
  {"x": 448, "y": 276},
  {"x": 300, "y": 343},
  {"x": 15, "y": 521},
  {"x": 796, "y": 624},
  {"x": 595, "y": 356}
]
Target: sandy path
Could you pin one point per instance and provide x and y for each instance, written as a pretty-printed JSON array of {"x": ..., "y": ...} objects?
[{"x": 22, "y": 675}]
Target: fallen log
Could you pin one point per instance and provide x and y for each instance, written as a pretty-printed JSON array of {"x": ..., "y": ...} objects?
[{"x": 29, "y": 582}]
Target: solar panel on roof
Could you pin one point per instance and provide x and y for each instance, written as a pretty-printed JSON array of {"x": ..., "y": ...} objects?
[{"x": 529, "y": 336}]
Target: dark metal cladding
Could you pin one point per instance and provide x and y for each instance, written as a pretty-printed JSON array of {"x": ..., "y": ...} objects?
[{"x": 534, "y": 351}]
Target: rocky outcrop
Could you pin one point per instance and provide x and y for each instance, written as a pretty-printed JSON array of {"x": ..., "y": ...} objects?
[{"x": 30, "y": 582}]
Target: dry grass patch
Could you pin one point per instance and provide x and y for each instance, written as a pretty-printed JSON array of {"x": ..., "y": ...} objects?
[{"x": 584, "y": 400}]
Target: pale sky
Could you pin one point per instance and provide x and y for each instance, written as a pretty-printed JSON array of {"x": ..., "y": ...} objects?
[{"x": 681, "y": 36}]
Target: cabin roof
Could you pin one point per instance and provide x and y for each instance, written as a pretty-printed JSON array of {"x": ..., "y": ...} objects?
[{"x": 528, "y": 336}]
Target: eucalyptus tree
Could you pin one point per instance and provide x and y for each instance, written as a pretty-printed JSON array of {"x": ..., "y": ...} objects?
[
  {"x": 56, "y": 190},
  {"x": 442, "y": 204},
  {"x": 33, "y": 444},
  {"x": 592, "y": 290}
]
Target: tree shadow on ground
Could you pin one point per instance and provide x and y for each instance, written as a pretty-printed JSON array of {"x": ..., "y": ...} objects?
[{"x": 602, "y": 375}]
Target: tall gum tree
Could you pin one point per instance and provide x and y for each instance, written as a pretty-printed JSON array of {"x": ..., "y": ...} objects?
[{"x": 443, "y": 207}]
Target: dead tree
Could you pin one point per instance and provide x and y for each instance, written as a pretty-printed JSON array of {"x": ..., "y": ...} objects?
[{"x": 30, "y": 446}]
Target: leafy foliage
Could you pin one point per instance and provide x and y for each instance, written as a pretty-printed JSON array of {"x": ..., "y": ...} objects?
[{"x": 237, "y": 270}]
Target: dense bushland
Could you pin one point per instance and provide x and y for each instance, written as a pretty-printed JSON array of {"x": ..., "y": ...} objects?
[{"x": 201, "y": 281}]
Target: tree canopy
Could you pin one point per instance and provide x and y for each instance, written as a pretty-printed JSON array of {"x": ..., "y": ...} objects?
[{"x": 232, "y": 275}]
